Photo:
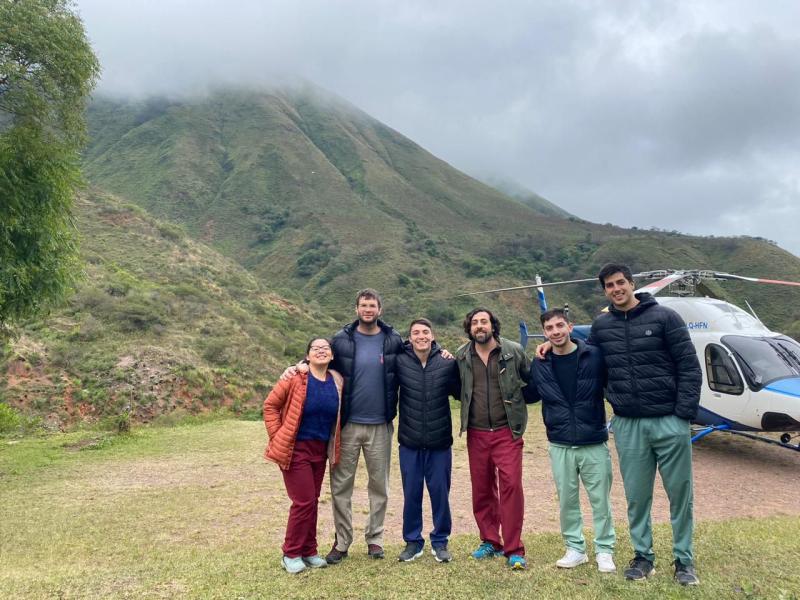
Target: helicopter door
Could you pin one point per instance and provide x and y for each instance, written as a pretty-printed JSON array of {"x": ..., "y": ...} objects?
[{"x": 726, "y": 394}]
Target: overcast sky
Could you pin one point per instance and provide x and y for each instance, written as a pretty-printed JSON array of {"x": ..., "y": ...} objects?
[{"x": 678, "y": 115}]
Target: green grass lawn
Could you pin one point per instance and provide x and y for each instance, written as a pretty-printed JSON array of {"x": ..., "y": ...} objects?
[{"x": 192, "y": 511}]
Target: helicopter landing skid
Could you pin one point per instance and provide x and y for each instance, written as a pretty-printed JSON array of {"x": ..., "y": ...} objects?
[{"x": 704, "y": 431}]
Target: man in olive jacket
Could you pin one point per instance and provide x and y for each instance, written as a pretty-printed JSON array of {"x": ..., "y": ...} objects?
[{"x": 494, "y": 371}]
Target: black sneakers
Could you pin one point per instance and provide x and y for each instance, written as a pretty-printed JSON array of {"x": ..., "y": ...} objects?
[
  {"x": 684, "y": 574},
  {"x": 639, "y": 568}
]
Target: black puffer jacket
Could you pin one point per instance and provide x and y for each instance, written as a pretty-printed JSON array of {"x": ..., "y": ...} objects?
[
  {"x": 578, "y": 424},
  {"x": 652, "y": 365},
  {"x": 344, "y": 352},
  {"x": 425, "y": 421}
]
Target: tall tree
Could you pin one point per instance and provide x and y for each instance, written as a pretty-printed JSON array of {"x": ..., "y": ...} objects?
[{"x": 47, "y": 71}]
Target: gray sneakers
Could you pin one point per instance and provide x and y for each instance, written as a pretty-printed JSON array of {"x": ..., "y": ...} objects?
[
  {"x": 411, "y": 552},
  {"x": 442, "y": 554},
  {"x": 685, "y": 575}
]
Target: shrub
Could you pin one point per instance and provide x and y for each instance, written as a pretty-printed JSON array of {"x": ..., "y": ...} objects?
[{"x": 10, "y": 420}]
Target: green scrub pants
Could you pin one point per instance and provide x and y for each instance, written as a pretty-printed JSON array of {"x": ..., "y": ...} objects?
[
  {"x": 642, "y": 444},
  {"x": 591, "y": 465}
]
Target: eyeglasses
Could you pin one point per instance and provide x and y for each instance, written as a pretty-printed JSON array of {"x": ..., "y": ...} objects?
[{"x": 320, "y": 348}]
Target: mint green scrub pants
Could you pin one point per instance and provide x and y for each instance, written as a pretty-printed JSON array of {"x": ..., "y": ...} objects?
[
  {"x": 591, "y": 465},
  {"x": 642, "y": 444}
]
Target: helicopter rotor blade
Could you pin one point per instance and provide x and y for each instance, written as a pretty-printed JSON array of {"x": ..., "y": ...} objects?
[
  {"x": 755, "y": 279},
  {"x": 526, "y": 287},
  {"x": 659, "y": 285}
]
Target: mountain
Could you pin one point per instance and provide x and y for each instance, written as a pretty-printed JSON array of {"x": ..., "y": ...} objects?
[
  {"x": 310, "y": 194},
  {"x": 221, "y": 232},
  {"x": 530, "y": 198}
]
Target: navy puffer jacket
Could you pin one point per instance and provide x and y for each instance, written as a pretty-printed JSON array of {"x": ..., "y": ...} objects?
[
  {"x": 344, "y": 352},
  {"x": 653, "y": 369},
  {"x": 578, "y": 424},
  {"x": 425, "y": 421}
]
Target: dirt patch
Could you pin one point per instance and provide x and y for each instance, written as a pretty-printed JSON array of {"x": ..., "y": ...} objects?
[{"x": 733, "y": 477}]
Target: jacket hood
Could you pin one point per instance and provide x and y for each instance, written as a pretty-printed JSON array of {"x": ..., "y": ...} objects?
[
  {"x": 646, "y": 300},
  {"x": 582, "y": 348},
  {"x": 409, "y": 349},
  {"x": 350, "y": 328}
]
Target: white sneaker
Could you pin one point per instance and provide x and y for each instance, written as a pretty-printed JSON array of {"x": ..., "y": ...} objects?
[
  {"x": 605, "y": 563},
  {"x": 572, "y": 559}
]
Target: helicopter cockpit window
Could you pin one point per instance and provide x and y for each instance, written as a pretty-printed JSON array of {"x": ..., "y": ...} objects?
[
  {"x": 722, "y": 373},
  {"x": 765, "y": 359}
]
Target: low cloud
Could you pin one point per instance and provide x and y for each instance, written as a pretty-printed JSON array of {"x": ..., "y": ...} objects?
[{"x": 675, "y": 115}]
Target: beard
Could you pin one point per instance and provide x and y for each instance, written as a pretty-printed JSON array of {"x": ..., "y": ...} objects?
[{"x": 482, "y": 336}]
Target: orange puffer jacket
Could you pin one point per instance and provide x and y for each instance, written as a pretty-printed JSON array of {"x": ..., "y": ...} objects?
[{"x": 283, "y": 411}]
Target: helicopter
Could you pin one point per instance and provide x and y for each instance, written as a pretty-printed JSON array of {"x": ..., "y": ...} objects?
[{"x": 751, "y": 375}]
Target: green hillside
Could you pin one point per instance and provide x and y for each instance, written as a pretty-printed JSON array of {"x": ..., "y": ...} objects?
[
  {"x": 206, "y": 215},
  {"x": 160, "y": 322},
  {"x": 312, "y": 195}
]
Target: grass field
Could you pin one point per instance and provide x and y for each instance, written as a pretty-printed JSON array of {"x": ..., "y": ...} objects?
[{"x": 192, "y": 511}]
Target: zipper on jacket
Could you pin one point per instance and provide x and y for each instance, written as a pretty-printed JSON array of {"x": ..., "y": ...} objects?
[
  {"x": 572, "y": 404},
  {"x": 488, "y": 392},
  {"x": 424, "y": 403}
]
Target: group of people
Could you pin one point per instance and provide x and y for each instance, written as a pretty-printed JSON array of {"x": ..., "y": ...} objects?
[{"x": 343, "y": 400}]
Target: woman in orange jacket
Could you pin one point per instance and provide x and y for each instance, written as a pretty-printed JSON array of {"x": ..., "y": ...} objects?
[{"x": 302, "y": 415}]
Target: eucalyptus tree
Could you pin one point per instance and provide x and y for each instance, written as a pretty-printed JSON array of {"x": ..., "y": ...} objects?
[{"x": 47, "y": 72}]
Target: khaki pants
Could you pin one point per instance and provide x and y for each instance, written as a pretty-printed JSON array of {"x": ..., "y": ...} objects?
[{"x": 376, "y": 442}]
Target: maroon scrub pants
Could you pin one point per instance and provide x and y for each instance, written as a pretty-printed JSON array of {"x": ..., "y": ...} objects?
[
  {"x": 303, "y": 480},
  {"x": 498, "y": 502}
]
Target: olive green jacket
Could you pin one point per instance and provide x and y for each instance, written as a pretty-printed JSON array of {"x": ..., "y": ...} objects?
[{"x": 514, "y": 373}]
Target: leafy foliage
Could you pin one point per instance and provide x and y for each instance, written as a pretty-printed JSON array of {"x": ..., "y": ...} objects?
[{"x": 47, "y": 70}]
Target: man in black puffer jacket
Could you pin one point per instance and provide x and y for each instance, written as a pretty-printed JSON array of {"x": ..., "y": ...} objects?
[
  {"x": 654, "y": 381},
  {"x": 365, "y": 352},
  {"x": 569, "y": 382},
  {"x": 425, "y": 433}
]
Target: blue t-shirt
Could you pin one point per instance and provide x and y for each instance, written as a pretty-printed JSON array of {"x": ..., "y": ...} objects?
[
  {"x": 367, "y": 403},
  {"x": 319, "y": 410}
]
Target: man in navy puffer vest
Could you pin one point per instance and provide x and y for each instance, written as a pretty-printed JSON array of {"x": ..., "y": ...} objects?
[{"x": 425, "y": 433}]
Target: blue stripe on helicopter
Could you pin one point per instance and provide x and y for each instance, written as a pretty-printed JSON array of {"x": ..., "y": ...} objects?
[
  {"x": 789, "y": 387},
  {"x": 709, "y": 418}
]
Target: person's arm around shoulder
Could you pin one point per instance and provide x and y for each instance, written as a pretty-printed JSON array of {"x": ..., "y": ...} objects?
[
  {"x": 531, "y": 391},
  {"x": 687, "y": 366},
  {"x": 274, "y": 403},
  {"x": 338, "y": 380},
  {"x": 523, "y": 363},
  {"x": 454, "y": 379}
]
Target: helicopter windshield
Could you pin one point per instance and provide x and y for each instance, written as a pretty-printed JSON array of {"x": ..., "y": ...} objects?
[{"x": 765, "y": 359}]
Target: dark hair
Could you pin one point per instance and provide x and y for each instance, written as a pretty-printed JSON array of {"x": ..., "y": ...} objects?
[
  {"x": 553, "y": 313},
  {"x": 494, "y": 320},
  {"x": 368, "y": 293},
  {"x": 420, "y": 321},
  {"x": 610, "y": 269},
  {"x": 314, "y": 339}
]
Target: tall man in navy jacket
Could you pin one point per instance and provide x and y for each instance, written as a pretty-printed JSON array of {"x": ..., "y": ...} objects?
[
  {"x": 654, "y": 381},
  {"x": 569, "y": 382}
]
